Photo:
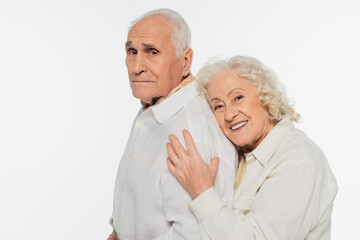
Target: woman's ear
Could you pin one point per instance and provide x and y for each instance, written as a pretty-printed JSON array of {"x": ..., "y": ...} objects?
[{"x": 187, "y": 61}]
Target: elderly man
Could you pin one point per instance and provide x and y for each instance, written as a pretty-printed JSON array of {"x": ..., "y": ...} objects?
[{"x": 149, "y": 203}]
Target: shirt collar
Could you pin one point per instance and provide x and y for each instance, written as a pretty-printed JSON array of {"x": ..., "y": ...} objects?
[
  {"x": 265, "y": 150},
  {"x": 182, "y": 84},
  {"x": 174, "y": 102}
]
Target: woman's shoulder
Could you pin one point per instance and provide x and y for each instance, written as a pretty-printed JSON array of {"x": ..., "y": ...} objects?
[
  {"x": 298, "y": 154},
  {"x": 296, "y": 146}
]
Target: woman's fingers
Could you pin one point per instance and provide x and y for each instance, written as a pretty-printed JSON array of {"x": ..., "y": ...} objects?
[
  {"x": 173, "y": 157},
  {"x": 177, "y": 147},
  {"x": 189, "y": 143},
  {"x": 188, "y": 167},
  {"x": 214, "y": 165},
  {"x": 171, "y": 166}
]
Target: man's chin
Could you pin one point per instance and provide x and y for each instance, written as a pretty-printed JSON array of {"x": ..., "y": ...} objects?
[
  {"x": 144, "y": 96},
  {"x": 144, "y": 99}
]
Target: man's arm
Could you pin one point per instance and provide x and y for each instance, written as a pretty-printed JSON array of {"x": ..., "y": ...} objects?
[{"x": 175, "y": 202}]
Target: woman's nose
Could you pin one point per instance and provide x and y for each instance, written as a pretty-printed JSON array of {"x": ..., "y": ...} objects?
[{"x": 230, "y": 113}]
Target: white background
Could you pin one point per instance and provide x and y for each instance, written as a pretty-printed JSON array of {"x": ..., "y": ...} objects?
[{"x": 66, "y": 107}]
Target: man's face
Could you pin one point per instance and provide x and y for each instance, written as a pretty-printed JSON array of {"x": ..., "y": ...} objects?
[{"x": 153, "y": 67}]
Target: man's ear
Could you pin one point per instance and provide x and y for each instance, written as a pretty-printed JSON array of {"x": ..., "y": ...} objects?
[{"x": 187, "y": 61}]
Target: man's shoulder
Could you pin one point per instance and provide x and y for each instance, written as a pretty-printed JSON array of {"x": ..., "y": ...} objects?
[
  {"x": 202, "y": 123},
  {"x": 200, "y": 105},
  {"x": 199, "y": 114}
]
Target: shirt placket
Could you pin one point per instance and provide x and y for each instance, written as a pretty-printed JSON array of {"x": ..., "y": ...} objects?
[{"x": 127, "y": 157}]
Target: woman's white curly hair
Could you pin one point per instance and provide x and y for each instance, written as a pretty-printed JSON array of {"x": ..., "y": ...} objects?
[{"x": 269, "y": 90}]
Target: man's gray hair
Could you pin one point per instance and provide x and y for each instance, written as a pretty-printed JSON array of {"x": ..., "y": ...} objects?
[{"x": 181, "y": 36}]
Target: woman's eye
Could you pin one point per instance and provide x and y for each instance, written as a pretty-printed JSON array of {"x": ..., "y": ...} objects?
[
  {"x": 217, "y": 107},
  {"x": 238, "y": 98}
]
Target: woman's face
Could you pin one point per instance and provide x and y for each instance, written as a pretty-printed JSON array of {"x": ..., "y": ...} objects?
[{"x": 238, "y": 110}]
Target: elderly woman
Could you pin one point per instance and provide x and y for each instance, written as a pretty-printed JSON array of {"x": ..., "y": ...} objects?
[{"x": 284, "y": 188}]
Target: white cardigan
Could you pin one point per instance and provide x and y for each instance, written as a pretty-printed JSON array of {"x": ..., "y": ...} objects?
[{"x": 287, "y": 193}]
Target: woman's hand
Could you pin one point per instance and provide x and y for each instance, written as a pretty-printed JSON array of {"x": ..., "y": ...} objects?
[
  {"x": 188, "y": 167},
  {"x": 113, "y": 236}
]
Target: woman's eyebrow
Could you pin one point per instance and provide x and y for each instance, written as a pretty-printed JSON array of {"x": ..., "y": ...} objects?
[{"x": 233, "y": 90}]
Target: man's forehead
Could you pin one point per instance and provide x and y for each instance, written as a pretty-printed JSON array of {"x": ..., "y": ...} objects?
[
  {"x": 151, "y": 27},
  {"x": 148, "y": 39},
  {"x": 152, "y": 22}
]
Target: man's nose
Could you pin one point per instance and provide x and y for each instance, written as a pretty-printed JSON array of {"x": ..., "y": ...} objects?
[
  {"x": 140, "y": 64},
  {"x": 230, "y": 113}
]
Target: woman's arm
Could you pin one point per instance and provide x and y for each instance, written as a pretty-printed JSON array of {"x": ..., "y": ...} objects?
[{"x": 288, "y": 203}]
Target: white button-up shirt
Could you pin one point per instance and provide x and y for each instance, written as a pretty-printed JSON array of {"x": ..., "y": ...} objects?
[
  {"x": 287, "y": 193},
  {"x": 149, "y": 203}
]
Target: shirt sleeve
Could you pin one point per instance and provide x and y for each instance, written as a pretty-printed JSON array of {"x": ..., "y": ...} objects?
[
  {"x": 285, "y": 207},
  {"x": 175, "y": 199}
]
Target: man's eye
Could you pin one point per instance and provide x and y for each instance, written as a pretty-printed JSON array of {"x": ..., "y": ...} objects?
[
  {"x": 131, "y": 51},
  {"x": 153, "y": 52}
]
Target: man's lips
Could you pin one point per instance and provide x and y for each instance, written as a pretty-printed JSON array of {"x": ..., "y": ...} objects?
[{"x": 141, "y": 81}]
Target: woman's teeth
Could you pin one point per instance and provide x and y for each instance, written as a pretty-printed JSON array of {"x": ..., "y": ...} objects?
[{"x": 239, "y": 125}]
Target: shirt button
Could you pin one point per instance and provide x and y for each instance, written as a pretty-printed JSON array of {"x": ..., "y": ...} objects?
[
  {"x": 129, "y": 154},
  {"x": 141, "y": 123}
]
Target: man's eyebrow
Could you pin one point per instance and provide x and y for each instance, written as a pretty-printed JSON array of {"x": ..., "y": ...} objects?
[
  {"x": 148, "y": 45},
  {"x": 128, "y": 44}
]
